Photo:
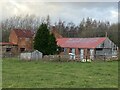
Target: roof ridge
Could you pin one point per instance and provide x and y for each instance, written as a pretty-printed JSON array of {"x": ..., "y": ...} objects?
[{"x": 23, "y": 33}]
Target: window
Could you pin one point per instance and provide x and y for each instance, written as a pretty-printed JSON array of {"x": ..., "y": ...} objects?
[
  {"x": 8, "y": 49},
  {"x": 27, "y": 39},
  {"x": 114, "y": 48},
  {"x": 99, "y": 49},
  {"x": 22, "y": 49},
  {"x": 65, "y": 50},
  {"x": 73, "y": 50}
]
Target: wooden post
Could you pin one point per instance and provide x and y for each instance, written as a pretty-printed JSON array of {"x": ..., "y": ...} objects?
[{"x": 59, "y": 57}]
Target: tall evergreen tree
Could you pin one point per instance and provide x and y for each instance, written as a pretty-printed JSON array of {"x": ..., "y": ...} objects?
[
  {"x": 52, "y": 45},
  {"x": 41, "y": 39},
  {"x": 44, "y": 41}
]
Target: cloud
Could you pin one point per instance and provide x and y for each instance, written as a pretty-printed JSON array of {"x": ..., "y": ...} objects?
[
  {"x": 67, "y": 11},
  {"x": 114, "y": 14},
  {"x": 20, "y": 8},
  {"x": 99, "y": 11}
]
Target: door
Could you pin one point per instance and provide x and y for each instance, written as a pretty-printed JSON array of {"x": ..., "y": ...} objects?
[
  {"x": 88, "y": 54},
  {"x": 73, "y": 51},
  {"x": 81, "y": 54},
  {"x": 92, "y": 54},
  {"x": 22, "y": 49},
  {"x": 65, "y": 50}
]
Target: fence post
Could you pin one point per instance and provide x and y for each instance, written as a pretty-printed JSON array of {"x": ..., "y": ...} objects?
[{"x": 59, "y": 57}]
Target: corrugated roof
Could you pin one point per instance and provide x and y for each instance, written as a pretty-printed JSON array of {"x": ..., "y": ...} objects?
[
  {"x": 24, "y": 33},
  {"x": 80, "y": 42}
]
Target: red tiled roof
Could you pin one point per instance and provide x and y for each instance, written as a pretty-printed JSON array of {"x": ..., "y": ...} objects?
[
  {"x": 7, "y": 43},
  {"x": 80, "y": 42},
  {"x": 24, "y": 33}
]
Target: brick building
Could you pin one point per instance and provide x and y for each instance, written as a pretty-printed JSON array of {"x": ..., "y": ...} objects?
[
  {"x": 22, "y": 38},
  {"x": 88, "y": 48}
]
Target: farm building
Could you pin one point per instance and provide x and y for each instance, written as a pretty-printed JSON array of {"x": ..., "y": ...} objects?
[
  {"x": 8, "y": 49},
  {"x": 88, "y": 48},
  {"x": 23, "y": 38},
  {"x": 82, "y": 48},
  {"x": 35, "y": 55}
]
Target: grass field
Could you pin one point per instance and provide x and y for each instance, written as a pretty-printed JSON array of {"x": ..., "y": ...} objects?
[{"x": 44, "y": 74}]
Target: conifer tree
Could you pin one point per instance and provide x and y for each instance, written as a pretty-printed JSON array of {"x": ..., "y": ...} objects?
[
  {"x": 44, "y": 41},
  {"x": 52, "y": 45},
  {"x": 41, "y": 39}
]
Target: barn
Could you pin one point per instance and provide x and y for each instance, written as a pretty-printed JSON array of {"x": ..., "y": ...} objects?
[{"x": 88, "y": 48}]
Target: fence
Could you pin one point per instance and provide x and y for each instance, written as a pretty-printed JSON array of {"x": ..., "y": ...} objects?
[
  {"x": 105, "y": 57},
  {"x": 8, "y": 55},
  {"x": 77, "y": 58},
  {"x": 36, "y": 55},
  {"x": 61, "y": 58}
]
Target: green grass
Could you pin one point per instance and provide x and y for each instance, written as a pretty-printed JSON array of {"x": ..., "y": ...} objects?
[{"x": 44, "y": 74}]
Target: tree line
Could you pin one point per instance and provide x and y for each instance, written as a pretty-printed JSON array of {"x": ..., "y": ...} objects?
[{"x": 88, "y": 27}]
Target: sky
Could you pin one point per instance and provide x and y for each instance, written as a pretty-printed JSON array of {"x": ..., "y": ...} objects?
[{"x": 67, "y": 10}]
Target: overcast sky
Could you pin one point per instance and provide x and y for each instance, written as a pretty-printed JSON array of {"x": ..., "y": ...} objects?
[{"x": 66, "y": 11}]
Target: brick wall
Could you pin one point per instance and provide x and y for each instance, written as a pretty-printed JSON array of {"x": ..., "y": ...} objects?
[
  {"x": 13, "y": 38},
  {"x": 26, "y": 43},
  {"x": 22, "y": 42}
]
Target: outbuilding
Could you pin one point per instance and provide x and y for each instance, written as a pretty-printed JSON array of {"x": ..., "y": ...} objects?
[
  {"x": 89, "y": 48},
  {"x": 35, "y": 55},
  {"x": 8, "y": 49}
]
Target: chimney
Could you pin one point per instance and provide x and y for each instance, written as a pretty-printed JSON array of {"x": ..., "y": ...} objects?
[{"x": 106, "y": 35}]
